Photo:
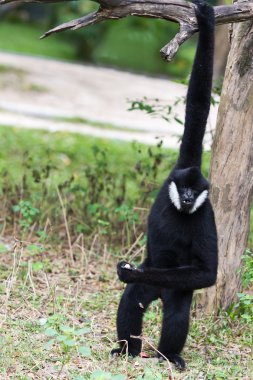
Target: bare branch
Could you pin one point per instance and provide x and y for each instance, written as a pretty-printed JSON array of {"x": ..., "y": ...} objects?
[
  {"x": 90, "y": 19},
  {"x": 169, "y": 50},
  {"x": 179, "y": 11},
  {"x": 2, "y": 2}
]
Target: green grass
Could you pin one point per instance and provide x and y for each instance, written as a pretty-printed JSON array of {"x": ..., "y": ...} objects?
[
  {"x": 98, "y": 179},
  {"x": 24, "y": 38},
  {"x": 59, "y": 297},
  {"x": 69, "y": 153}
]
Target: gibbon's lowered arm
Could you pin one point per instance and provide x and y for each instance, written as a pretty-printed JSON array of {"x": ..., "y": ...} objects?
[{"x": 185, "y": 278}]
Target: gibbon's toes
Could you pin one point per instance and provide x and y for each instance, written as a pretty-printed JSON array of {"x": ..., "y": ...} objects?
[
  {"x": 175, "y": 359},
  {"x": 122, "y": 351}
]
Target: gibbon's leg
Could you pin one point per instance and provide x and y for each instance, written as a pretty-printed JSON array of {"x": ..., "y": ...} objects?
[
  {"x": 176, "y": 310},
  {"x": 132, "y": 307}
]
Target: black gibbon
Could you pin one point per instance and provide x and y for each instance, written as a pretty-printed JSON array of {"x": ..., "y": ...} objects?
[{"x": 182, "y": 238}]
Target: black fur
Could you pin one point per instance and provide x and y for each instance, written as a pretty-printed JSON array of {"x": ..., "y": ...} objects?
[{"x": 182, "y": 244}]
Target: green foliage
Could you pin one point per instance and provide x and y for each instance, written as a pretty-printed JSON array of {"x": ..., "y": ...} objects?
[
  {"x": 24, "y": 38},
  {"x": 131, "y": 43},
  {"x": 247, "y": 272},
  {"x": 104, "y": 187},
  {"x": 154, "y": 107},
  {"x": 135, "y": 43},
  {"x": 27, "y": 213},
  {"x": 69, "y": 340},
  {"x": 243, "y": 308}
]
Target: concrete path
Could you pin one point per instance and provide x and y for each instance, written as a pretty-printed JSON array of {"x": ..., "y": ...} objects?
[{"x": 46, "y": 94}]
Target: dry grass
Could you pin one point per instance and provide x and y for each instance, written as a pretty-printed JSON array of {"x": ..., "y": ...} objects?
[{"x": 41, "y": 283}]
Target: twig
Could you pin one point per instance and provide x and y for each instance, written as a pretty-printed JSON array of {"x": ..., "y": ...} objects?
[
  {"x": 11, "y": 281},
  {"x": 134, "y": 245},
  {"x": 169, "y": 50},
  {"x": 143, "y": 339},
  {"x": 66, "y": 225}
]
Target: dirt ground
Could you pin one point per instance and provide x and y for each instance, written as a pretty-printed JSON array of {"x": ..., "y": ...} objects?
[{"x": 46, "y": 94}]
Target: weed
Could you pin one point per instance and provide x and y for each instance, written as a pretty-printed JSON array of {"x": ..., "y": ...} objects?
[
  {"x": 247, "y": 272},
  {"x": 157, "y": 109},
  {"x": 243, "y": 308},
  {"x": 68, "y": 340},
  {"x": 96, "y": 197},
  {"x": 27, "y": 213}
]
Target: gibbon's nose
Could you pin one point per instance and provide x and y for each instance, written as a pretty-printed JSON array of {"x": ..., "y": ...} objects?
[{"x": 187, "y": 197}]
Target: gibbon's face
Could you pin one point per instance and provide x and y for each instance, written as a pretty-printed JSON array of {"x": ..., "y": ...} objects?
[{"x": 188, "y": 190}]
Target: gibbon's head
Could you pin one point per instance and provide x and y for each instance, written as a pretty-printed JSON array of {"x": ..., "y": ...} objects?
[{"x": 188, "y": 189}]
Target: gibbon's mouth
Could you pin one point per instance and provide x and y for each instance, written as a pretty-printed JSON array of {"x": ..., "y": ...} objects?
[{"x": 187, "y": 202}]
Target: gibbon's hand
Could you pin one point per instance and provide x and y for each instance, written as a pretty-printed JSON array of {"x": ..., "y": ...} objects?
[{"x": 126, "y": 271}]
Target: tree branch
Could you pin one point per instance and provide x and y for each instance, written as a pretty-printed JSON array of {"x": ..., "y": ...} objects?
[{"x": 179, "y": 11}]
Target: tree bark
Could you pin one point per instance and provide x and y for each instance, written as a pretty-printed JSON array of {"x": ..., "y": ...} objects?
[
  {"x": 231, "y": 172},
  {"x": 222, "y": 47}
]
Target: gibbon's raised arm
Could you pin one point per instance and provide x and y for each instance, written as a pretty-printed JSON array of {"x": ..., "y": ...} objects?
[
  {"x": 185, "y": 278},
  {"x": 199, "y": 91}
]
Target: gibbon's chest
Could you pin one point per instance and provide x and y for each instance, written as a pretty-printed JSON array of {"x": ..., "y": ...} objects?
[
  {"x": 170, "y": 241},
  {"x": 172, "y": 249}
]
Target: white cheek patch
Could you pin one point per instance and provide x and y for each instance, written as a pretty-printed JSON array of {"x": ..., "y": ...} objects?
[
  {"x": 174, "y": 196},
  {"x": 199, "y": 201}
]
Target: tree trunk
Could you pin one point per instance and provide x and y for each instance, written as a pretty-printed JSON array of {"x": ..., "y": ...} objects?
[
  {"x": 222, "y": 47},
  {"x": 231, "y": 172}
]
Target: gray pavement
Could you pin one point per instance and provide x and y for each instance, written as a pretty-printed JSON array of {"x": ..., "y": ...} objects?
[{"x": 41, "y": 93}]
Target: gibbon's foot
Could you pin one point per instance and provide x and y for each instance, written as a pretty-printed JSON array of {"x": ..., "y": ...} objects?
[
  {"x": 121, "y": 351},
  {"x": 116, "y": 352},
  {"x": 175, "y": 359}
]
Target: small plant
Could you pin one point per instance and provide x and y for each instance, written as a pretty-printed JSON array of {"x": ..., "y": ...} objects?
[
  {"x": 157, "y": 109},
  {"x": 66, "y": 339},
  {"x": 247, "y": 276},
  {"x": 27, "y": 213},
  {"x": 243, "y": 308},
  {"x": 127, "y": 214}
]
